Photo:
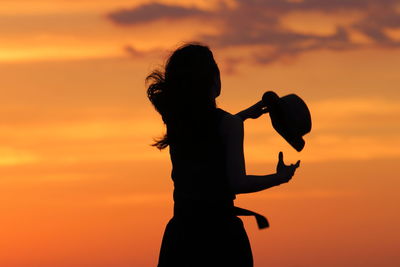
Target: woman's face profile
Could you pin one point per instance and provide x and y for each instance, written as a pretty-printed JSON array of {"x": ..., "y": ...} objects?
[{"x": 216, "y": 89}]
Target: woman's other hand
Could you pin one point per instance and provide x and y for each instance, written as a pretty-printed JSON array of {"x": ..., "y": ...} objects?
[{"x": 285, "y": 172}]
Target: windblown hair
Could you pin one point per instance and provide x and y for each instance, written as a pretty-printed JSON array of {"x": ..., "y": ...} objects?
[{"x": 183, "y": 93}]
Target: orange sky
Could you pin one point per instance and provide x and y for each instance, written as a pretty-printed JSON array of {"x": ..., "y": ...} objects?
[{"x": 80, "y": 185}]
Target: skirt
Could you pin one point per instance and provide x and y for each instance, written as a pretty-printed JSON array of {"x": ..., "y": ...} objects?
[{"x": 205, "y": 241}]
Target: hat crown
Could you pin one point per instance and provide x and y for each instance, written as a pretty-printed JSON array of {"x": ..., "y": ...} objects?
[{"x": 290, "y": 117}]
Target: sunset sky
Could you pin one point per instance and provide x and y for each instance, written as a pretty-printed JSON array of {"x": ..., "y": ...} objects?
[{"x": 80, "y": 185}]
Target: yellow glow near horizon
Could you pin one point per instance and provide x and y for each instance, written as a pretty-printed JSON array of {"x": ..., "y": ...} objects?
[{"x": 58, "y": 53}]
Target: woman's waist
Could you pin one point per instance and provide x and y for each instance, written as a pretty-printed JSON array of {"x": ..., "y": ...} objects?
[{"x": 203, "y": 206}]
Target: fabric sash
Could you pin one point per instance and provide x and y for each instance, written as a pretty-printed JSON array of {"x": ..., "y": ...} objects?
[
  {"x": 262, "y": 222},
  {"x": 189, "y": 208}
]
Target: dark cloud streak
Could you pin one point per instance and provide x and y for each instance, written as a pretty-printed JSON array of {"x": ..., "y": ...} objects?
[
  {"x": 257, "y": 23},
  {"x": 151, "y": 12}
]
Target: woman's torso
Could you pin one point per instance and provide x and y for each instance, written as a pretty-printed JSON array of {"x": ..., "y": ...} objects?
[{"x": 199, "y": 171}]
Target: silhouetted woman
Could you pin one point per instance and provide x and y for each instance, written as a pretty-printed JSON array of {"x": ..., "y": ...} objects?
[{"x": 206, "y": 149}]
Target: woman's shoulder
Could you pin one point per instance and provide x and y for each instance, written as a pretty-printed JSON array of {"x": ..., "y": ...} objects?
[
  {"x": 229, "y": 118},
  {"x": 230, "y": 122}
]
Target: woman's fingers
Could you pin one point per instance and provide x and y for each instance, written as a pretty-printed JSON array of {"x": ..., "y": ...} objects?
[
  {"x": 297, "y": 164},
  {"x": 281, "y": 161},
  {"x": 289, "y": 169},
  {"x": 286, "y": 171}
]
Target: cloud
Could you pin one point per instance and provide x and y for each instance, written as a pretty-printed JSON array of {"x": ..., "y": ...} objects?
[
  {"x": 258, "y": 23},
  {"x": 151, "y": 12},
  {"x": 374, "y": 27},
  {"x": 133, "y": 51},
  {"x": 137, "y": 53},
  {"x": 282, "y": 6}
]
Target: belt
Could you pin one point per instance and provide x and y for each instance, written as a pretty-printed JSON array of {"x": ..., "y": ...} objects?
[
  {"x": 262, "y": 222},
  {"x": 193, "y": 208}
]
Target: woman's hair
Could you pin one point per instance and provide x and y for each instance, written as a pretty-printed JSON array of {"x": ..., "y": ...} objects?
[{"x": 184, "y": 93}]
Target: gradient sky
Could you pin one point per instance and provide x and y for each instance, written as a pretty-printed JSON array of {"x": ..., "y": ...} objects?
[{"x": 80, "y": 185}]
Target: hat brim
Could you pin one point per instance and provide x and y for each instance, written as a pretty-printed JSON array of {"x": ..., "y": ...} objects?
[{"x": 297, "y": 143}]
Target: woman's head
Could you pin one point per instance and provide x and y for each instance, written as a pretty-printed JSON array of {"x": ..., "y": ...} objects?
[
  {"x": 190, "y": 79},
  {"x": 186, "y": 89},
  {"x": 192, "y": 70}
]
